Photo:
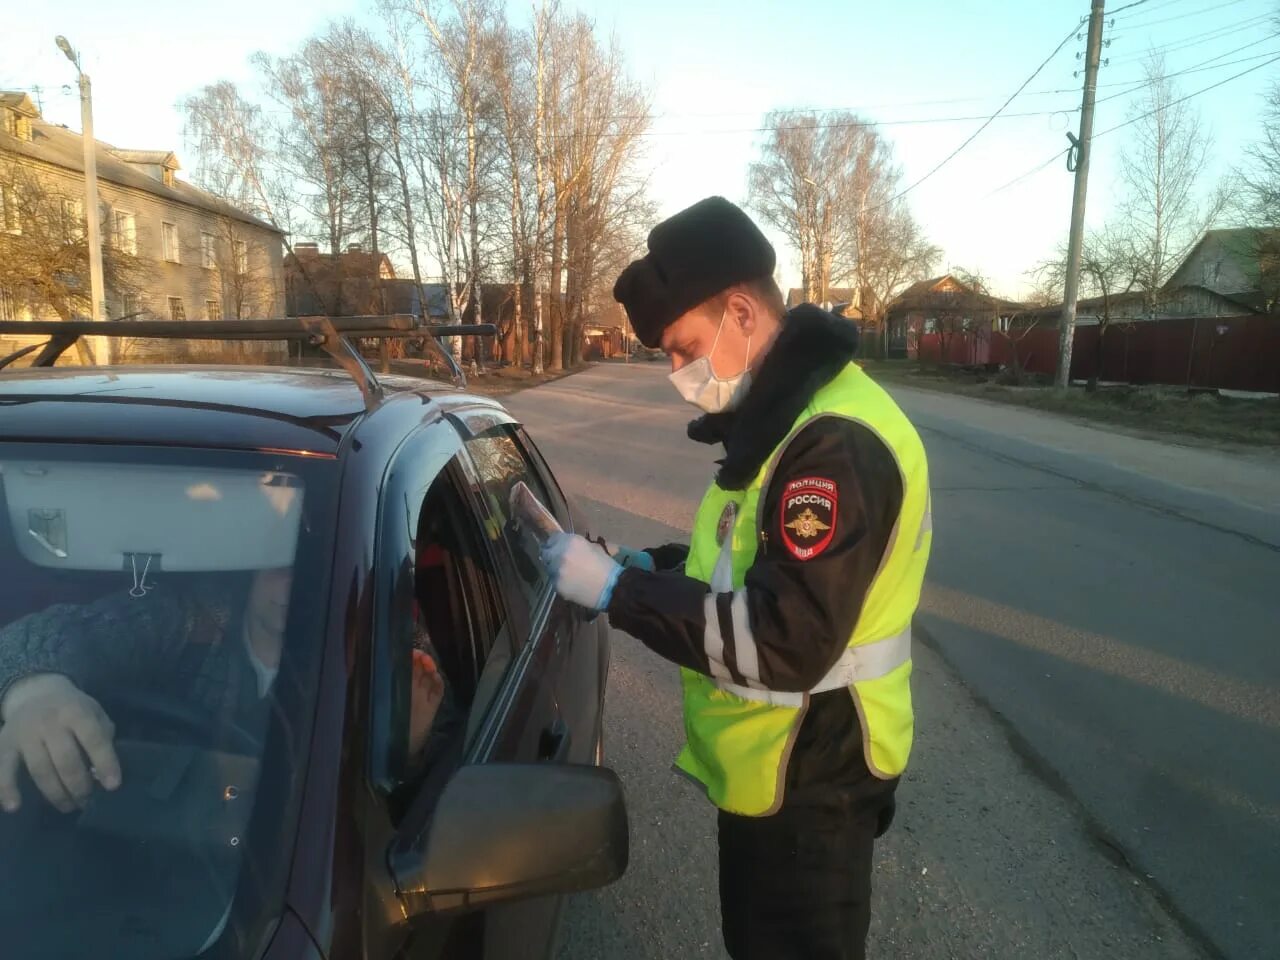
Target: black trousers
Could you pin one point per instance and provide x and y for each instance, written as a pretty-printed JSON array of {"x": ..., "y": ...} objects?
[{"x": 797, "y": 885}]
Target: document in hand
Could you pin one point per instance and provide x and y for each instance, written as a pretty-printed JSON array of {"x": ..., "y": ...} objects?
[{"x": 530, "y": 513}]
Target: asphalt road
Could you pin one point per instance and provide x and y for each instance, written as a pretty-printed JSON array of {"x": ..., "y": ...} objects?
[{"x": 1097, "y": 765}]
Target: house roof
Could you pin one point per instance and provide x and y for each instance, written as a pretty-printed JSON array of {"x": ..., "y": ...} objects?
[
  {"x": 1137, "y": 298},
  {"x": 163, "y": 158},
  {"x": 60, "y": 147},
  {"x": 350, "y": 263},
  {"x": 795, "y": 296},
  {"x": 20, "y": 103},
  {"x": 923, "y": 293},
  {"x": 1242, "y": 245}
]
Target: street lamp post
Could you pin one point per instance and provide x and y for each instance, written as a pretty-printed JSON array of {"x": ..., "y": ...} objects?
[{"x": 93, "y": 231}]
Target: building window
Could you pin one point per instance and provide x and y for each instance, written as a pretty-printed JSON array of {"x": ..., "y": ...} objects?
[
  {"x": 931, "y": 325},
  {"x": 213, "y": 310},
  {"x": 8, "y": 305},
  {"x": 167, "y": 177},
  {"x": 9, "y": 219},
  {"x": 242, "y": 256},
  {"x": 128, "y": 305},
  {"x": 126, "y": 233},
  {"x": 209, "y": 250},
  {"x": 72, "y": 219},
  {"x": 169, "y": 242},
  {"x": 16, "y": 125},
  {"x": 176, "y": 310}
]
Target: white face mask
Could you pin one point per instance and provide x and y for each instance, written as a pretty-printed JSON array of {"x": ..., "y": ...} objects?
[{"x": 698, "y": 384}]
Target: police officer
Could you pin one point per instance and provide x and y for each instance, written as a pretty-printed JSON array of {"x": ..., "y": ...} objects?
[{"x": 789, "y": 613}]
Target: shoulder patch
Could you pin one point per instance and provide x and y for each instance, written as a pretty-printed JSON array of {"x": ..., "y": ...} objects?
[{"x": 809, "y": 516}]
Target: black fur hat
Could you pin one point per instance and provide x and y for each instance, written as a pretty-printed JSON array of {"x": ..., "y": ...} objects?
[{"x": 701, "y": 251}]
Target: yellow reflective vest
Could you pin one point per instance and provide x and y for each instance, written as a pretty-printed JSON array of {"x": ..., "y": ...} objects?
[{"x": 739, "y": 737}]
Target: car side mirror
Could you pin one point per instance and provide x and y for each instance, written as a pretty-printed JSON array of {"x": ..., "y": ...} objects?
[{"x": 504, "y": 832}]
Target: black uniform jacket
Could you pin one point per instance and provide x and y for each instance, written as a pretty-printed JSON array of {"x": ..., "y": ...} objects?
[{"x": 828, "y": 512}]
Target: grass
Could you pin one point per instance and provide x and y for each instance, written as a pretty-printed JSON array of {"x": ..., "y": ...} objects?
[{"x": 1169, "y": 411}]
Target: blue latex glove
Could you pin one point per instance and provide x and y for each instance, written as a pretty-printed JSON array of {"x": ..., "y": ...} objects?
[
  {"x": 582, "y": 572},
  {"x": 626, "y": 557}
]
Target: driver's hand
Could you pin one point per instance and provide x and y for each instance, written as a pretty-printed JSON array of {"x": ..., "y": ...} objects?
[
  {"x": 53, "y": 726},
  {"x": 425, "y": 697}
]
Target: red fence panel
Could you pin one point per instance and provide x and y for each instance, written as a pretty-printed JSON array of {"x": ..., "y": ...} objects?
[{"x": 1237, "y": 353}]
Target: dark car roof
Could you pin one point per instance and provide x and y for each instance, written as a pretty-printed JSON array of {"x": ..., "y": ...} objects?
[{"x": 276, "y": 408}]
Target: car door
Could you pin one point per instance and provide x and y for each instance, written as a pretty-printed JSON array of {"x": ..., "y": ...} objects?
[
  {"x": 453, "y": 604},
  {"x": 572, "y": 637},
  {"x": 582, "y": 674},
  {"x": 548, "y": 713}
]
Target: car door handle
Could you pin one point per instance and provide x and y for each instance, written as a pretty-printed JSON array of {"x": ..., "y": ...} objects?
[{"x": 553, "y": 745}]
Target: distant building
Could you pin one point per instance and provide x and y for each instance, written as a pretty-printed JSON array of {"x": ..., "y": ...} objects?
[
  {"x": 840, "y": 300},
  {"x": 1241, "y": 265},
  {"x": 170, "y": 250},
  {"x": 944, "y": 319},
  {"x": 352, "y": 283}
]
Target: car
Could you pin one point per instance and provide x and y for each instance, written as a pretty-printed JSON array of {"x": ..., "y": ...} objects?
[
  {"x": 641, "y": 352},
  {"x": 414, "y": 769}
]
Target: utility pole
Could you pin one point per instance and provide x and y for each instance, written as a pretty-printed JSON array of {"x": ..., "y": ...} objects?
[
  {"x": 93, "y": 231},
  {"x": 1067, "y": 323}
]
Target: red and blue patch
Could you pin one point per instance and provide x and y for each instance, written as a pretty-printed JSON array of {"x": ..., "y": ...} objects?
[{"x": 809, "y": 516}]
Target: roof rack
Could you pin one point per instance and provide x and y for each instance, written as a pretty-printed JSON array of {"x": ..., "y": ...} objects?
[{"x": 329, "y": 333}]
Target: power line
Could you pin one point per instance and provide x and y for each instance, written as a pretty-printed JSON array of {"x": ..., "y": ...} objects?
[
  {"x": 1172, "y": 103},
  {"x": 1058, "y": 153},
  {"x": 1140, "y": 13},
  {"x": 973, "y": 136},
  {"x": 1183, "y": 16},
  {"x": 1137, "y": 85},
  {"x": 1030, "y": 173},
  {"x": 1128, "y": 6},
  {"x": 1184, "y": 42}
]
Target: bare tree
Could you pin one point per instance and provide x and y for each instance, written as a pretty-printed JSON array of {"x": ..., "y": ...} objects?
[
  {"x": 829, "y": 183},
  {"x": 1258, "y": 201},
  {"x": 44, "y": 255},
  {"x": 1017, "y": 327},
  {"x": 508, "y": 63},
  {"x": 1159, "y": 172},
  {"x": 786, "y": 187},
  {"x": 247, "y": 285},
  {"x": 457, "y": 33},
  {"x": 235, "y": 161},
  {"x": 373, "y": 132},
  {"x": 892, "y": 253},
  {"x": 1112, "y": 264},
  {"x": 544, "y": 15},
  {"x": 607, "y": 116},
  {"x": 311, "y": 144}
]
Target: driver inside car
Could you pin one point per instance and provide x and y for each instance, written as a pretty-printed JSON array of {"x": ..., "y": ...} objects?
[{"x": 215, "y": 653}]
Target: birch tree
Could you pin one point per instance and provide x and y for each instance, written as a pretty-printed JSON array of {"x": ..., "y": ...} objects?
[{"x": 1160, "y": 170}]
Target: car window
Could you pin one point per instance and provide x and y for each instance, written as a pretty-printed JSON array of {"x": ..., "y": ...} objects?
[
  {"x": 447, "y": 630},
  {"x": 555, "y": 499},
  {"x": 176, "y": 590},
  {"x": 500, "y": 463}
]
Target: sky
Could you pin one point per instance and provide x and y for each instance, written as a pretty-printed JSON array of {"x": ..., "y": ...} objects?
[{"x": 929, "y": 72}]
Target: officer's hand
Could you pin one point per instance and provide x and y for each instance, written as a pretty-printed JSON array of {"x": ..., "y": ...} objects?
[
  {"x": 627, "y": 557},
  {"x": 51, "y": 725},
  {"x": 582, "y": 572}
]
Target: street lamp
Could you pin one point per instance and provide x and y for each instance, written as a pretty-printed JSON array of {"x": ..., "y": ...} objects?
[{"x": 93, "y": 232}]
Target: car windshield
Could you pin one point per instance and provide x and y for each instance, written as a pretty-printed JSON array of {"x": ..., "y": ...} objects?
[{"x": 155, "y": 637}]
